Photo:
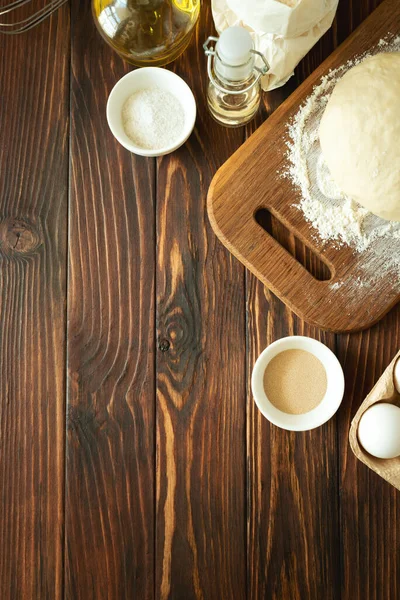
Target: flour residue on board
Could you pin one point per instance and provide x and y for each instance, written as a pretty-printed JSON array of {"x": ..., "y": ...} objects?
[{"x": 333, "y": 215}]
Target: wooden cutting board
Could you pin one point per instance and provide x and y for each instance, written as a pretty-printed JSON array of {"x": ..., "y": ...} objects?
[{"x": 249, "y": 181}]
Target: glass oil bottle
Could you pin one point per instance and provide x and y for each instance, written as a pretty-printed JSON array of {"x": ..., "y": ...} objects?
[
  {"x": 146, "y": 32},
  {"x": 234, "y": 88}
]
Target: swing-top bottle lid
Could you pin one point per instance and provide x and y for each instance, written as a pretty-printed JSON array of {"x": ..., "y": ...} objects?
[{"x": 233, "y": 53}]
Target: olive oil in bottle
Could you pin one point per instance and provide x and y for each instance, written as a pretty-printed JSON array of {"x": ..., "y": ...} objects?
[{"x": 146, "y": 32}]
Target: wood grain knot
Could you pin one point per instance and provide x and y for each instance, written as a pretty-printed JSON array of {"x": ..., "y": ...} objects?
[
  {"x": 82, "y": 420},
  {"x": 19, "y": 236},
  {"x": 163, "y": 345}
]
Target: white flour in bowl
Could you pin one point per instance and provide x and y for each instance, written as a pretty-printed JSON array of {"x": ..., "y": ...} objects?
[{"x": 334, "y": 216}]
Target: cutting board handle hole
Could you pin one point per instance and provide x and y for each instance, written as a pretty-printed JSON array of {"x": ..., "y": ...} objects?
[{"x": 300, "y": 252}]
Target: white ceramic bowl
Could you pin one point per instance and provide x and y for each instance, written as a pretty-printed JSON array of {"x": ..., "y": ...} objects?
[
  {"x": 329, "y": 404},
  {"x": 145, "y": 78}
]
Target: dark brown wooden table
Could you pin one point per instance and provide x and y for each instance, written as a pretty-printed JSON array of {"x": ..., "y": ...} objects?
[{"x": 133, "y": 462}]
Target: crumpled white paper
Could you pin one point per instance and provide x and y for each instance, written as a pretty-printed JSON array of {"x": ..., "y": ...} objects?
[{"x": 283, "y": 33}]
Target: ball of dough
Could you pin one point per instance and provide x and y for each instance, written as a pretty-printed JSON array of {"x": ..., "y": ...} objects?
[{"x": 360, "y": 134}]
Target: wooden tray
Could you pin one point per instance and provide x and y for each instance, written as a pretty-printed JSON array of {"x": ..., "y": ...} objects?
[
  {"x": 248, "y": 181},
  {"x": 383, "y": 391}
]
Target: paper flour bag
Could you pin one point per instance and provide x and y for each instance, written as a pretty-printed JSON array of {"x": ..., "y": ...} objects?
[{"x": 283, "y": 30}]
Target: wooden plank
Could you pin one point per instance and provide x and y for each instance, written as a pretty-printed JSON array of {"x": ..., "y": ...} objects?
[
  {"x": 200, "y": 529},
  {"x": 34, "y": 106},
  {"x": 249, "y": 180},
  {"x": 110, "y": 450},
  {"x": 293, "y": 510}
]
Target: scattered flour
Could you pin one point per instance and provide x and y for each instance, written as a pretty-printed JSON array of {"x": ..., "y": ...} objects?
[{"x": 334, "y": 216}]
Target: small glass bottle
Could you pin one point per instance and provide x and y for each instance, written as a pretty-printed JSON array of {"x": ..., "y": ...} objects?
[{"x": 234, "y": 89}]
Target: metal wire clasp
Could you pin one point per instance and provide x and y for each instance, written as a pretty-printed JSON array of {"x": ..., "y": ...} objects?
[{"x": 210, "y": 52}]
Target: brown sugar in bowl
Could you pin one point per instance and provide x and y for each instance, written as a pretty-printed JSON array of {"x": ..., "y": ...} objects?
[{"x": 302, "y": 412}]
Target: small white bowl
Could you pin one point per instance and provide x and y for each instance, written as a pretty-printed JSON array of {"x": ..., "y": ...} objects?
[
  {"x": 145, "y": 78},
  {"x": 330, "y": 402}
]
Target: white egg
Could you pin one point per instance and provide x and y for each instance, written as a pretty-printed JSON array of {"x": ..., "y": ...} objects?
[
  {"x": 396, "y": 375},
  {"x": 379, "y": 430}
]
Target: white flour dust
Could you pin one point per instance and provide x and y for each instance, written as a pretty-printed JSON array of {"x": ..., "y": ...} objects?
[{"x": 334, "y": 216}]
